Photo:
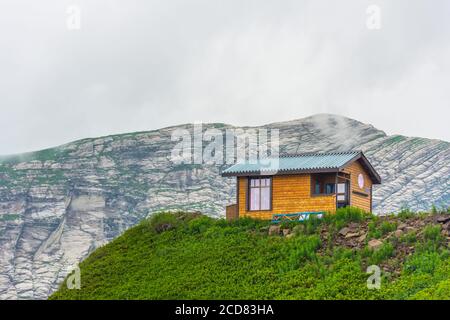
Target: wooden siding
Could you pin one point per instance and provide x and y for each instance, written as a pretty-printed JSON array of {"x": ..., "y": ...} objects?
[
  {"x": 231, "y": 212},
  {"x": 291, "y": 193},
  {"x": 357, "y": 198}
]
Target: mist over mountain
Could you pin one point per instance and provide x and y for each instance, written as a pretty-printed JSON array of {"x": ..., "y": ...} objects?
[{"x": 57, "y": 205}]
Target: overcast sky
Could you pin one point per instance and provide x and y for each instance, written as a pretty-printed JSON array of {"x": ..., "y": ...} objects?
[{"x": 141, "y": 65}]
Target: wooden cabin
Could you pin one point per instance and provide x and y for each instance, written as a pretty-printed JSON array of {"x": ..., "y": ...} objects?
[{"x": 310, "y": 182}]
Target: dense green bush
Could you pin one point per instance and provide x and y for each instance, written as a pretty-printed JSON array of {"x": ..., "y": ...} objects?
[
  {"x": 163, "y": 221},
  {"x": 374, "y": 232},
  {"x": 439, "y": 291},
  {"x": 432, "y": 232},
  {"x": 405, "y": 213},
  {"x": 425, "y": 262},
  {"x": 203, "y": 258},
  {"x": 408, "y": 238},
  {"x": 387, "y": 227},
  {"x": 297, "y": 251},
  {"x": 344, "y": 216},
  {"x": 383, "y": 253}
]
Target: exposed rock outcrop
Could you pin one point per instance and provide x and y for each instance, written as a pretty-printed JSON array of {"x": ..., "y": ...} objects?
[{"x": 57, "y": 205}]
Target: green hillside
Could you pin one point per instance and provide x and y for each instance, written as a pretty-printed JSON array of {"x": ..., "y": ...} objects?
[{"x": 191, "y": 256}]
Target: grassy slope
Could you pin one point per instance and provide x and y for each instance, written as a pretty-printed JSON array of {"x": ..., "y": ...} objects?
[{"x": 202, "y": 258}]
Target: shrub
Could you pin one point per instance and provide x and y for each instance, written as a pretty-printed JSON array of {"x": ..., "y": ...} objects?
[
  {"x": 343, "y": 253},
  {"x": 344, "y": 280},
  {"x": 301, "y": 249},
  {"x": 405, "y": 213},
  {"x": 163, "y": 221},
  {"x": 350, "y": 214},
  {"x": 408, "y": 238},
  {"x": 200, "y": 224},
  {"x": 384, "y": 252},
  {"x": 312, "y": 224},
  {"x": 433, "y": 240},
  {"x": 345, "y": 215},
  {"x": 434, "y": 209},
  {"x": 432, "y": 233},
  {"x": 299, "y": 229},
  {"x": 247, "y": 222},
  {"x": 423, "y": 262},
  {"x": 288, "y": 224},
  {"x": 373, "y": 232},
  {"x": 441, "y": 291},
  {"x": 387, "y": 227},
  {"x": 205, "y": 258}
]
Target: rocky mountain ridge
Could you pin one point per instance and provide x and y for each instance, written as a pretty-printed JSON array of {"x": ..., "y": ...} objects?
[{"x": 58, "y": 204}]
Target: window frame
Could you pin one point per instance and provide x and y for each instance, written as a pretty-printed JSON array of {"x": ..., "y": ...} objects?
[
  {"x": 248, "y": 193},
  {"x": 333, "y": 188},
  {"x": 313, "y": 183}
]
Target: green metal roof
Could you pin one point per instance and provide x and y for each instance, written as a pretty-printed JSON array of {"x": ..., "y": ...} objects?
[{"x": 300, "y": 163}]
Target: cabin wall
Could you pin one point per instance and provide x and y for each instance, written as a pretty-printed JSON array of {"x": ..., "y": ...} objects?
[
  {"x": 359, "y": 197},
  {"x": 291, "y": 193}
]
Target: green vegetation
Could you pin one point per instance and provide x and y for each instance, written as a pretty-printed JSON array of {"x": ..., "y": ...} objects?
[
  {"x": 9, "y": 217},
  {"x": 191, "y": 256},
  {"x": 54, "y": 154},
  {"x": 380, "y": 255}
]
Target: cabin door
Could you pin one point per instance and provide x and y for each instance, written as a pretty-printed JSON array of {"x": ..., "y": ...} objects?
[{"x": 342, "y": 196}]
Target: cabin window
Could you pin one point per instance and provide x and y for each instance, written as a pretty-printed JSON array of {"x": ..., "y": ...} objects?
[
  {"x": 323, "y": 184},
  {"x": 329, "y": 188},
  {"x": 260, "y": 194},
  {"x": 317, "y": 188}
]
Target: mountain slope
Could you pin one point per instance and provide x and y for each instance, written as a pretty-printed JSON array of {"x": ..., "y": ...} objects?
[
  {"x": 59, "y": 204},
  {"x": 195, "y": 257}
]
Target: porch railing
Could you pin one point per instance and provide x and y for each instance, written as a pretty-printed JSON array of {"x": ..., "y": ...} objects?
[{"x": 297, "y": 216}]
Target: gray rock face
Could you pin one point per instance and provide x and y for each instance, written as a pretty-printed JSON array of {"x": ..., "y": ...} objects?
[{"x": 57, "y": 205}]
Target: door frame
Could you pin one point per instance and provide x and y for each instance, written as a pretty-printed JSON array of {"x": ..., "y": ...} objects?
[{"x": 346, "y": 194}]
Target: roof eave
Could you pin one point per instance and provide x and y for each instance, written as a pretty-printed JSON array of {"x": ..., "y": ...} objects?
[
  {"x": 376, "y": 179},
  {"x": 277, "y": 173}
]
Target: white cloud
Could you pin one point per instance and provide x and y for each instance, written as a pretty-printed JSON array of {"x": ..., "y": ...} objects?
[{"x": 140, "y": 65}]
